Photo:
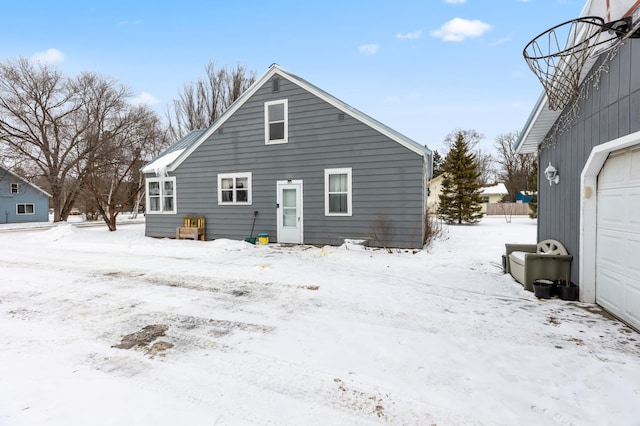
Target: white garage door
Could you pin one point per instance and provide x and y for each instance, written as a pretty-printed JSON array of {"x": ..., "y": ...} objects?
[{"x": 618, "y": 236}]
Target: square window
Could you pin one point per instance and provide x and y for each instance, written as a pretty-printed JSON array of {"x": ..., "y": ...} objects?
[
  {"x": 234, "y": 188},
  {"x": 161, "y": 195},
  {"x": 276, "y": 117},
  {"x": 338, "y": 192}
]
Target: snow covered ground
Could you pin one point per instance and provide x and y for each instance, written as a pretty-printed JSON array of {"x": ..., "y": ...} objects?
[{"x": 112, "y": 328}]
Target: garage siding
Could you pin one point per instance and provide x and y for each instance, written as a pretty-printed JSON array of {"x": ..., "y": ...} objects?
[{"x": 609, "y": 111}]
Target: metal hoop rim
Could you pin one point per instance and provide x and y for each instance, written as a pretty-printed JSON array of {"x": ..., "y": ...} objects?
[{"x": 583, "y": 19}]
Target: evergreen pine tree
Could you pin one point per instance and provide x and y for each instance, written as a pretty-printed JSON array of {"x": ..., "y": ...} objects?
[
  {"x": 460, "y": 200},
  {"x": 437, "y": 163}
]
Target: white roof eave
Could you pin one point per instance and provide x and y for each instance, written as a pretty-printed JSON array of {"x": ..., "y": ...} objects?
[{"x": 542, "y": 119}]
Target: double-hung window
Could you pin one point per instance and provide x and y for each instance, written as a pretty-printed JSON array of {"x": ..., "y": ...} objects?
[
  {"x": 234, "y": 188},
  {"x": 25, "y": 208},
  {"x": 276, "y": 122},
  {"x": 161, "y": 195},
  {"x": 15, "y": 188},
  {"x": 337, "y": 188}
]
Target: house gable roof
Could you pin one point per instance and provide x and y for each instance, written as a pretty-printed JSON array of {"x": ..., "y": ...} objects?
[
  {"x": 273, "y": 70},
  {"x": 4, "y": 170}
]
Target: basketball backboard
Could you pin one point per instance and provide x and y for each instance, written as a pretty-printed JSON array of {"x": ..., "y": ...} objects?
[
  {"x": 558, "y": 55},
  {"x": 613, "y": 10},
  {"x": 618, "y": 13}
]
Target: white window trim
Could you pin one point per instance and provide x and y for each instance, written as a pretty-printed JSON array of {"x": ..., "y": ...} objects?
[
  {"x": 11, "y": 186},
  {"x": 175, "y": 196},
  {"x": 327, "y": 173},
  {"x": 267, "y": 141},
  {"x": 246, "y": 175},
  {"x": 25, "y": 204}
]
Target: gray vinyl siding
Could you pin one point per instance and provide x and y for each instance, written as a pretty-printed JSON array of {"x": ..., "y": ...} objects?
[
  {"x": 388, "y": 180},
  {"x": 611, "y": 110}
]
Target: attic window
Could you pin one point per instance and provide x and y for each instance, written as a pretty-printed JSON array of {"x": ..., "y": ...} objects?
[
  {"x": 275, "y": 85},
  {"x": 276, "y": 122},
  {"x": 15, "y": 188}
]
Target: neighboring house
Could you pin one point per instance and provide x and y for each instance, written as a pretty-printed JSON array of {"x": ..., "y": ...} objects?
[
  {"x": 593, "y": 207},
  {"x": 21, "y": 201},
  {"x": 435, "y": 189},
  {"x": 314, "y": 169},
  {"x": 492, "y": 194}
]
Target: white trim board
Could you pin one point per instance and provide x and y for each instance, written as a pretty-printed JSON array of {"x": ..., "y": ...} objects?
[{"x": 589, "y": 211}]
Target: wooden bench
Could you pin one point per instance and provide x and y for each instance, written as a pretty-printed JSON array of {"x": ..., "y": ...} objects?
[
  {"x": 186, "y": 233},
  {"x": 192, "y": 228}
]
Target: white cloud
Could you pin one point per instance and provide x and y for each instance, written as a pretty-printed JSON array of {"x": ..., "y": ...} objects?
[
  {"x": 368, "y": 49},
  {"x": 409, "y": 36},
  {"x": 49, "y": 56},
  {"x": 455, "y": 1},
  {"x": 459, "y": 29},
  {"x": 144, "y": 99}
]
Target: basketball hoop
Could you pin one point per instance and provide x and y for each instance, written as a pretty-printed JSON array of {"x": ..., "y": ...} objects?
[{"x": 558, "y": 55}]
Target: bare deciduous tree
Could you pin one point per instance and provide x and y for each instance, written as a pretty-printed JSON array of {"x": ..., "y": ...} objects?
[
  {"x": 201, "y": 102},
  {"x": 515, "y": 169},
  {"x": 112, "y": 176},
  {"x": 42, "y": 126},
  {"x": 59, "y": 130}
]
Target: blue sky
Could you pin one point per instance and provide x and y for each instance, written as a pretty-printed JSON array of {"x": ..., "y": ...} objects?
[{"x": 422, "y": 67}]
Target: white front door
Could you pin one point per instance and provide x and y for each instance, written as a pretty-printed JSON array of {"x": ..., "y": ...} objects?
[{"x": 289, "y": 211}]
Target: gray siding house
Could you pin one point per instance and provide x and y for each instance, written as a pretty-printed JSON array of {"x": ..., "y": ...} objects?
[
  {"x": 314, "y": 169},
  {"x": 21, "y": 201},
  {"x": 594, "y": 206}
]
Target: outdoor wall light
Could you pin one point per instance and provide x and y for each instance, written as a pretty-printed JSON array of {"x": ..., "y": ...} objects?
[{"x": 551, "y": 173}]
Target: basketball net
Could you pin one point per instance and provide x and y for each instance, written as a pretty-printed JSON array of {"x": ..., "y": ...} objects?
[{"x": 558, "y": 55}]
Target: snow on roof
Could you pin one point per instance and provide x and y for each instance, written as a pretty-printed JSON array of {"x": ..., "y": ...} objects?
[
  {"x": 162, "y": 162},
  {"x": 495, "y": 189},
  {"x": 169, "y": 155}
]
